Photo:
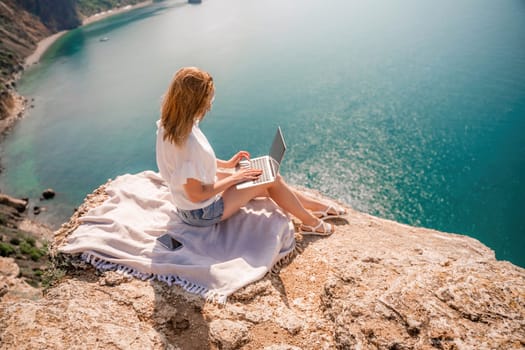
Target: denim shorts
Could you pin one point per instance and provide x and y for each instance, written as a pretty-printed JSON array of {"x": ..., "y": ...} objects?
[{"x": 202, "y": 217}]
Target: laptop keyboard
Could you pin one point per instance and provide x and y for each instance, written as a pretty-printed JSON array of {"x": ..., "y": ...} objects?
[{"x": 260, "y": 163}]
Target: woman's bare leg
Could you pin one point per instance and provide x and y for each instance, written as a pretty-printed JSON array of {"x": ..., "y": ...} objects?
[
  {"x": 279, "y": 191},
  {"x": 234, "y": 199},
  {"x": 315, "y": 205},
  {"x": 308, "y": 202},
  {"x": 287, "y": 199}
]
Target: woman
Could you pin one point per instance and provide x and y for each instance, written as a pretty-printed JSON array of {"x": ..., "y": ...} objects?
[{"x": 203, "y": 195}]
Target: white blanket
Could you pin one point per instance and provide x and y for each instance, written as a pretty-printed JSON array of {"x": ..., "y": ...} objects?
[{"x": 214, "y": 261}]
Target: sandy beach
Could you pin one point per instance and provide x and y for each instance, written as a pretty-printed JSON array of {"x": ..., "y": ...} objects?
[
  {"x": 42, "y": 46},
  {"x": 45, "y": 43}
]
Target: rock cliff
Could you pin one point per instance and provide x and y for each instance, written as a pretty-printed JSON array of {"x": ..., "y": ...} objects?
[
  {"x": 374, "y": 284},
  {"x": 56, "y": 15},
  {"x": 20, "y": 31}
]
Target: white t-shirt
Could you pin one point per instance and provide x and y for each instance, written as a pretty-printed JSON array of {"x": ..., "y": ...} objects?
[{"x": 195, "y": 159}]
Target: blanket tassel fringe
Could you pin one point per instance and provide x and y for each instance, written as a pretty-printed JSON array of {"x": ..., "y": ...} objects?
[
  {"x": 104, "y": 265},
  {"x": 285, "y": 260},
  {"x": 211, "y": 296}
]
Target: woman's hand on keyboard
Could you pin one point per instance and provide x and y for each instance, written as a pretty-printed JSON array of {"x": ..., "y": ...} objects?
[{"x": 246, "y": 174}]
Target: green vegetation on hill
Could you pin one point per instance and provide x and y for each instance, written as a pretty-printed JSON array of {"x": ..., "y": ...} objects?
[{"x": 30, "y": 254}]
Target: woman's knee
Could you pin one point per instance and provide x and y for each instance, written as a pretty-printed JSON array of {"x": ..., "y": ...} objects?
[{"x": 279, "y": 181}]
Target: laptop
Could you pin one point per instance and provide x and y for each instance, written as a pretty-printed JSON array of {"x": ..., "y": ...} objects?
[{"x": 269, "y": 164}]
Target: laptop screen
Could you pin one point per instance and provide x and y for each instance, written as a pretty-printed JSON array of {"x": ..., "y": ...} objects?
[{"x": 278, "y": 146}]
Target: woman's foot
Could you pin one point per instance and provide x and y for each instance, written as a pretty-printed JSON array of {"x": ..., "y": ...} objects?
[
  {"x": 321, "y": 229},
  {"x": 331, "y": 211}
]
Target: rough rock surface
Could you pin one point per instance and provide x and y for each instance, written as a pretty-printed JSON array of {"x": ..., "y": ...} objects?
[
  {"x": 13, "y": 288},
  {"x": 374, "y": 284},
  {"x": 23, "y": 251}
]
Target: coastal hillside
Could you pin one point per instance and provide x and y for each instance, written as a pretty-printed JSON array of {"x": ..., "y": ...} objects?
[
  {"x": 20, "y": 31},
  {"x": 56, "y": 15},
  {"x": 23, "y": 23},
  {"x": 374, "y": 284}
]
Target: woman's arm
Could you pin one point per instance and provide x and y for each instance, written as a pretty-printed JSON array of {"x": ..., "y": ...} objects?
[{"x": 197, "y": 192}]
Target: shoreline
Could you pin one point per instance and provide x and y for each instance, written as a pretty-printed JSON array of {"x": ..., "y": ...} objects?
[
  {"x": 105, "y": 14},
  {"x": 17, "y": 112},
  {"x": 41, "y": 48},
  {"x": 45, "y": 43}
]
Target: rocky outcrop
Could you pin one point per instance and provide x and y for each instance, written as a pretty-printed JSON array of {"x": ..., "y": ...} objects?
[
  {"x": 12, "y": 287},
  {"x": 16, "y": 203},
  {"x": 24, "y": 255},
  {"x": 374, "y": 284}
]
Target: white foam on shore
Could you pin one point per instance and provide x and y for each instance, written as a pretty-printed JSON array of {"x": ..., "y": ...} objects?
[{"x": 115, "y": 11}]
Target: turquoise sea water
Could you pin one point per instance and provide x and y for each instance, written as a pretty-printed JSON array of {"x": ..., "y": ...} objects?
[{"x": 409, "y": 110}]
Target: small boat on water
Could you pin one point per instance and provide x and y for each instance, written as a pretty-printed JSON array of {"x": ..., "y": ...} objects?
[{"x": 104, "y": 39}]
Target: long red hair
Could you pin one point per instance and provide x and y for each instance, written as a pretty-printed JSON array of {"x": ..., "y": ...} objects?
[{"x": 188, "y": 99}]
